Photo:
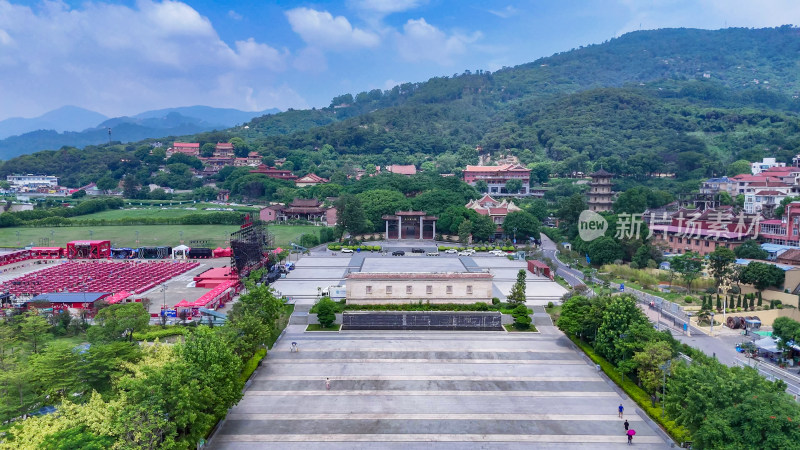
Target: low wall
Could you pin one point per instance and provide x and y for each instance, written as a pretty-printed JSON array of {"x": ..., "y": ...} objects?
[
  {"x": 767, "y": 316},
  {"x": 422, "y": 320}
]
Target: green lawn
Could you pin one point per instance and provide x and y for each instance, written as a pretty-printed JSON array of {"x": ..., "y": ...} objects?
[
  {"x": 510, "y": 328},
  {"x": 149, "y": 235},
  {"x": 144, "y": 212},
  {"x": 318, "y": 327}
]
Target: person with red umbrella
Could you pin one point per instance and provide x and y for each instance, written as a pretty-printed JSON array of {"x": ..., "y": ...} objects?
[{"x": 631, "y": 433}]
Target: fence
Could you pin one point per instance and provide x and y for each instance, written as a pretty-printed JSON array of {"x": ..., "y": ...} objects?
[{"x": 773, "y": 373}]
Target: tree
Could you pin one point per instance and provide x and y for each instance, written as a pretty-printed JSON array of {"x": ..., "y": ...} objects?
[
  {"x": 540, "y": 172},
  {"x": 119, "y": 322},
  {"x": 513, "y": 186},
  {"x": 464, "y": 231},
  {"x": 739, "y": 167},
  {"x": 56, "y": 372},
  {"x": 539, "y": 209},
  {"x": 107, "y": 183},
  {"x": 762, "y": 275},
  {"x": 751, "y": 249},
  {"x": 207, "y": 150},
  {"x": 521, "y": 225},
  {"x": 632, "y": 201},
  {"x": 325, "y": 312},
  {"x": 517, "y": 294},
  {"x": 130, "y": 186},
  {"x": 380, "y": 202},
  {"x": 575, "y": 318},
  {"x": 350, "y": 214},
  {"x": 720, "y": 262},
  {"x": 604, "y": 250},
  {"x": 35, "y": 331},
  {"x": 618, "y": 318},
  {"x": 689, "y": 266},
  {"x": 481, "y": 186}
]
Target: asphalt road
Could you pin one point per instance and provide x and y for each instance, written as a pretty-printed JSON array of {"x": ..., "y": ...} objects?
[{"x": 573, "y": 277}]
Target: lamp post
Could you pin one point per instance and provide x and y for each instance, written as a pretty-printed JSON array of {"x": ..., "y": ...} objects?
[
  {"x": 665, "y": 369},
  {"x": 712, "y": 325},
  {"x": 164, "y": 290}
]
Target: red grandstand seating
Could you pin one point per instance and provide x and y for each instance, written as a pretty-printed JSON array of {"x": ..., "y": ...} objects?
[{"x": 97, "y": 276}]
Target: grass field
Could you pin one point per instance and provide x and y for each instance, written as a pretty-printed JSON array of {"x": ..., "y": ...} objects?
[
  {"x": 145, "y": 212},
  {"x": 149, "y": 235}
]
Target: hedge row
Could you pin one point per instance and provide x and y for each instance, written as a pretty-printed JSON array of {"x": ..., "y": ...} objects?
[
  {"x": 161, "y": 333},
  {"x": 337, "y": 247},
  {"x": 217, "y": 218},
  {"x": 251, "y": 364},
  {"x": 678, "y": 433}
]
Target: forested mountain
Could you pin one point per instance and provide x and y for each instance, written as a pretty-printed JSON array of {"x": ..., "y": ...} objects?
[{"x": 678, "y": 101}]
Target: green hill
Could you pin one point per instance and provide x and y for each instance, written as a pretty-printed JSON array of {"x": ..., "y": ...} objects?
[{"x": 682, "y": 101}]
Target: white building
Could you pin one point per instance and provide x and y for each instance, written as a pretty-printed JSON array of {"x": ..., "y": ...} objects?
[
  {"x": 373, "y": 288},
  {"x": 31, "y": 181},
  {"x": 758, "y": 167},
  {"x": 764, "y": 201}
]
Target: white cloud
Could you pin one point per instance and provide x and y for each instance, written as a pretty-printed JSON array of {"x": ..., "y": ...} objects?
[
  {"x": 310, "y": 59},
  {"x": 234, "y": 15},
  {"x": 421, "y": 41},
  {"x": 123, "y": 59},
  {"x": 386, "y": 6},
  {"x": 320, "y": 29},
  {"x": 505, "y": 13}
]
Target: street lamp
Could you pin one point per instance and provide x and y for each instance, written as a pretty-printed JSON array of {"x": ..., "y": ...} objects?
[
  {"x": 712, "y": 325},
  {"x": 164, "y": 290},
  {"x": 137, "y": 237},
  {"x": 665, "y": 369},
  {"x": 623, "y": 336}
]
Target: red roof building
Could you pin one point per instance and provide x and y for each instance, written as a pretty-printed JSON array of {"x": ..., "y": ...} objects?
[
  {"x": 274, "y": 172},
  {"x": 310, "y": 180},
  {"x": 187, "y": 148},
  {"x": 224, "y": 150},
  {"x": 487, "y": 206},
  {"x": 496, "y": 178},
  {"x": 703, "y": 231},
  {"x": 402, "y": 169}
]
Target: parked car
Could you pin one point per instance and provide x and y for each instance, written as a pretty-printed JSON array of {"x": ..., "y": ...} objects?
[
  {"x": 433, "y": 253},
  {"x": 497, "y": 253},
  {"x": 398, "y": 253},
  {"x": 347, "y": 250},
  {"x": 471, "y": 251},
  {"x": 464, "y": 253},
  {"x": 417, "y": 250},
  {"x": 451, "y": 250}
]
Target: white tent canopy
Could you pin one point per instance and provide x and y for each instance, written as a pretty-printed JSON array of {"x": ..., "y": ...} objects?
[{"x": 180, "y": 251}]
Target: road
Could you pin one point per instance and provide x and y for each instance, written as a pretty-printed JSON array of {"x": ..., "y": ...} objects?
[
  {"x": 721, "y": 346},
  {"x": 573, "y": 277}
]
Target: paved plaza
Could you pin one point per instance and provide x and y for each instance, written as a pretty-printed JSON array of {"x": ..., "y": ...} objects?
[
  {"x": 320, "y": 270},
  {"x": 415, "y": 390}
]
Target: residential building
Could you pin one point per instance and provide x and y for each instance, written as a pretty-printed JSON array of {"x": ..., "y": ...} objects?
[
  {"x": 32, "y": 182},
  {"x": 496, "y": 178},
  {"x": 370, "y": 288},
  {"x": 309, "y": 180},
  {"x": 187, "y": 148},
  {"x": 703, "y": 231},
  {"x": 766, "y": 163},
  {"x": 407, "y": 170},
  {"x": 600, "y": 197},
  {"x": 274, "y": 172},
  {"x": 764, "y": 202},
  {"x": 763, "y": 181},
  {"x": 783, "y": 231},
  {"x": 717, "y": 185},
  {"x": 791, "y": 256},
  {"x": 270, "y": 213}
]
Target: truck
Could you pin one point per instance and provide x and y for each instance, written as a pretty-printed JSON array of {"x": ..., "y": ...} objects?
[{"x": 334, "y": 292}]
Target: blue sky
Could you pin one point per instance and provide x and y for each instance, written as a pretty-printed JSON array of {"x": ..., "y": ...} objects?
[{"x": 124, "y": 57}]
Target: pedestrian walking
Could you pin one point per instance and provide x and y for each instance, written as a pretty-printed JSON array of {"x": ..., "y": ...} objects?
[
  {"x": 626, "y": 424},
  {"x": 630, "y": 434},
  {"x": 328, "y": 384},
  {"x": 621, "y": 409}
]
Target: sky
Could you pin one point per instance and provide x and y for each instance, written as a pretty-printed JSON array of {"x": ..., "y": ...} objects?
[{"x": 122, "y": 57}]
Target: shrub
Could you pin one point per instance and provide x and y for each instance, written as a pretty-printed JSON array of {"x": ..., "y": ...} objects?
[
  {"x": 325, "y": 312},
  {"x": 251, "y": 364},
  {"x": 550, "y": 304},
  {"x": 522, "y": 322},
  {"x": 688, "y": 299},
  {"x": 495, "y": 301}
]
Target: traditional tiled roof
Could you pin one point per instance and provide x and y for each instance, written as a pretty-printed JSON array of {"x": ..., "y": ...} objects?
[{"x": 402, "y": 169}]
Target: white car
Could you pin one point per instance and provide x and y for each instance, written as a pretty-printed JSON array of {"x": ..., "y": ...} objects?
[
  {"x": 347, "y": 250},
  {"x": 451, "y": 250},
  {"x": 464, "y": 253},
  {"x": 471, "y": 251},
  {"x": 436, "y": 253},
  {"x": 497, "y": 253}
]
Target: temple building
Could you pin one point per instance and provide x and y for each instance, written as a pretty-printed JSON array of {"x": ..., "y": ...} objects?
[
  {"x": 601, "y": 198},
  {"x": 410, "y": 225}
]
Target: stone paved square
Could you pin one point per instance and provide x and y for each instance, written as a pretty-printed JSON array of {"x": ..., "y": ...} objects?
[{"x": 423, "y": 390}]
